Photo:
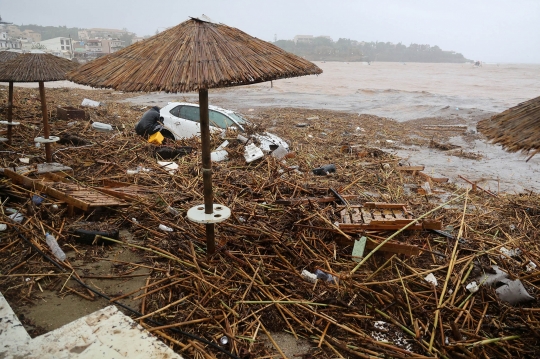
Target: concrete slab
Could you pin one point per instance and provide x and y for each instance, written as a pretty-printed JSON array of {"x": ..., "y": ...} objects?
[{"x": 107, "y": 333}]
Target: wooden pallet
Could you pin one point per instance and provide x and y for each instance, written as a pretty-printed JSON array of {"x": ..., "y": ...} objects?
[
  {"x": 127, "y": 191},
  {"x": 74, "y": 194},
  {"x": 381, "y": 216}
]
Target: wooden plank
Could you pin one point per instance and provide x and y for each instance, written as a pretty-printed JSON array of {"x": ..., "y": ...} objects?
[
  {"x": 434, "y": 179},
  {"x": 345, "y": 217},
  {"x": 377, "y": 215},
  {"x": 395, "y": 247},
  {"x": 305, "y": 200},
  {"x": 398, "y": 214},
  {"x": 356, "y": 215},
  {"x": 388, "y": 214},
  {"x": 410, "y": 168},
  {"x": 383, "y": 205},
  {"x": 366, "y": 216}
]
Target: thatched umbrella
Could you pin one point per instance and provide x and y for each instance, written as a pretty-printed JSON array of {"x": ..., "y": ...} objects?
[
  {"x": 37, "y": 67},
  {"x": 4, "y": 57},
  {"x": 516, "y": 129},
  {"x": 195, "y": 55}
]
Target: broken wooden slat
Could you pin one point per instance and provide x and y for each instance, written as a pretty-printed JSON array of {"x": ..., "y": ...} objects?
[
  {"x": 384, "y": 205},
  {"x": 434, "y": 179},
  {"x": 305, "y": 200},
  {"x": 410, "y": 168}
]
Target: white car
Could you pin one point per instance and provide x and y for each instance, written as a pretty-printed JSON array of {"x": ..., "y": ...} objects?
[{"x": 181, "y": 120}]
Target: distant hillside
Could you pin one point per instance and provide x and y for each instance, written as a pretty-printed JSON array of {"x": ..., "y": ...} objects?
[
  {"x": 324, "y": 49},
  {"x": 50, "y": 32}
]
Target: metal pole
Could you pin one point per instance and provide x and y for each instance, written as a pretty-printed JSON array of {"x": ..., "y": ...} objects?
[
  {"x": 207, "y": 169},
  {"x": 48, "y": 152},
  {"x": 10, "y": 112}
]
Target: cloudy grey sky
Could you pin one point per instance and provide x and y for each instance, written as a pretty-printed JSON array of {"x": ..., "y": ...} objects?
[{"x": 486, "y": 30}]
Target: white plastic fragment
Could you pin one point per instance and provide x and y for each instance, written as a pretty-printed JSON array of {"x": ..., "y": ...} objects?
[
  {"x": 308, "y": 276},
  {"x": 218, "y": 156},
  {"x": 279, "y": 152},
  {"x": 3, "y": 227},
  {"x": 24, "y": 160},
  {"x": 430, "y": 278},
  {"x": 426, "y": 187},
  {"x": 472, "y": 287},
  {"x": 531, "y": 266},
  {"x": 102, "y": 127},
  {"x": 252, "y": 153},
  {"x": 90, "y": 103},
  {"x": 242, "y": 138},
  {"x": 16, "y": 217},
  {"x": 510, "y": 252},
  {"x": 165, "y": 228},
  {"x": 171, "y": 167}
]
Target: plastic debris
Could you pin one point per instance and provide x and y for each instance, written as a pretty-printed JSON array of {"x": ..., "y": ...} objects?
[
  {"x": 324, "y": 170},
  {"x": 172, "y": 211},
  {"x": 165, "y": 228},
  {"x": 102, "y": 127},
  {"x": 308, "y": 276},
  {"x": 242, "y": 138},
  {"x": 218, "y": 156},
  {"x": 325, "y": 276},
  {"x": 25, "y": 160},
  {"x": 37, "y": 200},
  {"x": 280, "y": 152},
  {"x": 510, "y": 252},
  {"x": 430, "y": 278},
  {"x": 253, "y": 153},
  {"x": 55, "y": 248},
  {"x": 90, "y": 103},
  {"x": 358, "y": 249},
  {"x": 531, "y": 266},
  {"x": 508, "y": 290},
  {"x": 426, "y": 187},
  {"x": 3, "y": 227},
  {"x": 16, "y": 217},
  {"x": 171, "y": 167},
  {"x": 472, "y": 287},
  {"x": 224, "y": 340}
]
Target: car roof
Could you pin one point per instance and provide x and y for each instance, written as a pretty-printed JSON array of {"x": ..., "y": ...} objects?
[{"x": 211, "y": 107}]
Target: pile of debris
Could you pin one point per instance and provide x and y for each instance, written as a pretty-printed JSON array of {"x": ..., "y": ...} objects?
[{"x": 338, "y": 245}]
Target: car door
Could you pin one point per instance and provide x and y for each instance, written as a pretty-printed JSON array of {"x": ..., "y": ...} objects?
[{"x": 184, "y": 121}]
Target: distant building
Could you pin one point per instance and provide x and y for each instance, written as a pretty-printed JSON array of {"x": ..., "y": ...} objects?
[
  {"x": 111, "y": 45},
  {"x": 306, "y": 39},
  {"x": 94, "y": 47},
  {"x": 96, "y": 32},
  {"x": 59, "y": 46},
  {"x": 6, "y": 42}
]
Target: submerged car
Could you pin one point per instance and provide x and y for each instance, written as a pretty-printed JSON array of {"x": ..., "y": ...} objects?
[{"x": 181, "y": 120}]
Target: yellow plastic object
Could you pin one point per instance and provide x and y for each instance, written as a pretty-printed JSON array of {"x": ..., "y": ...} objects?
[{"x": 156, "y": 138}]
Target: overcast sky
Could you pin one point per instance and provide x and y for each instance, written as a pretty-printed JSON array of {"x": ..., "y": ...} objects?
[{"x": 486, "y": 30}]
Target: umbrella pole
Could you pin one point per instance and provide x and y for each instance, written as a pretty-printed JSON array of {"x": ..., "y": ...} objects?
[
  {"x": 207, "y": 169},
  {"x": 10, "y": 112},
  {"x": 48, "y": 153}
]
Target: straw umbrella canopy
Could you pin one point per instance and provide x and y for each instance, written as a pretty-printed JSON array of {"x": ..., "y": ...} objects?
[
  {"x": 195, "y": 55},
  {"x": 6, "y": 56},
  {"x": 37, "y": 67},
  {"x": 516, "y": 129}
]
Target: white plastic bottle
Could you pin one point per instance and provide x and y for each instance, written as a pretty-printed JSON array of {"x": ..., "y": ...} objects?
[{"x": 55, "y": 248}]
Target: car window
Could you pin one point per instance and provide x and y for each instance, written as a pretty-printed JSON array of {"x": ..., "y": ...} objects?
[
  {"x": 190, "y": 113},
  {"x": 175, "y": 111},
  {"x": 219, "y": 120}
]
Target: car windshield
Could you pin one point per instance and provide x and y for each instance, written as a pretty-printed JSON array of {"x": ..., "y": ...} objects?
[{"x": 239, "y": 119}]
